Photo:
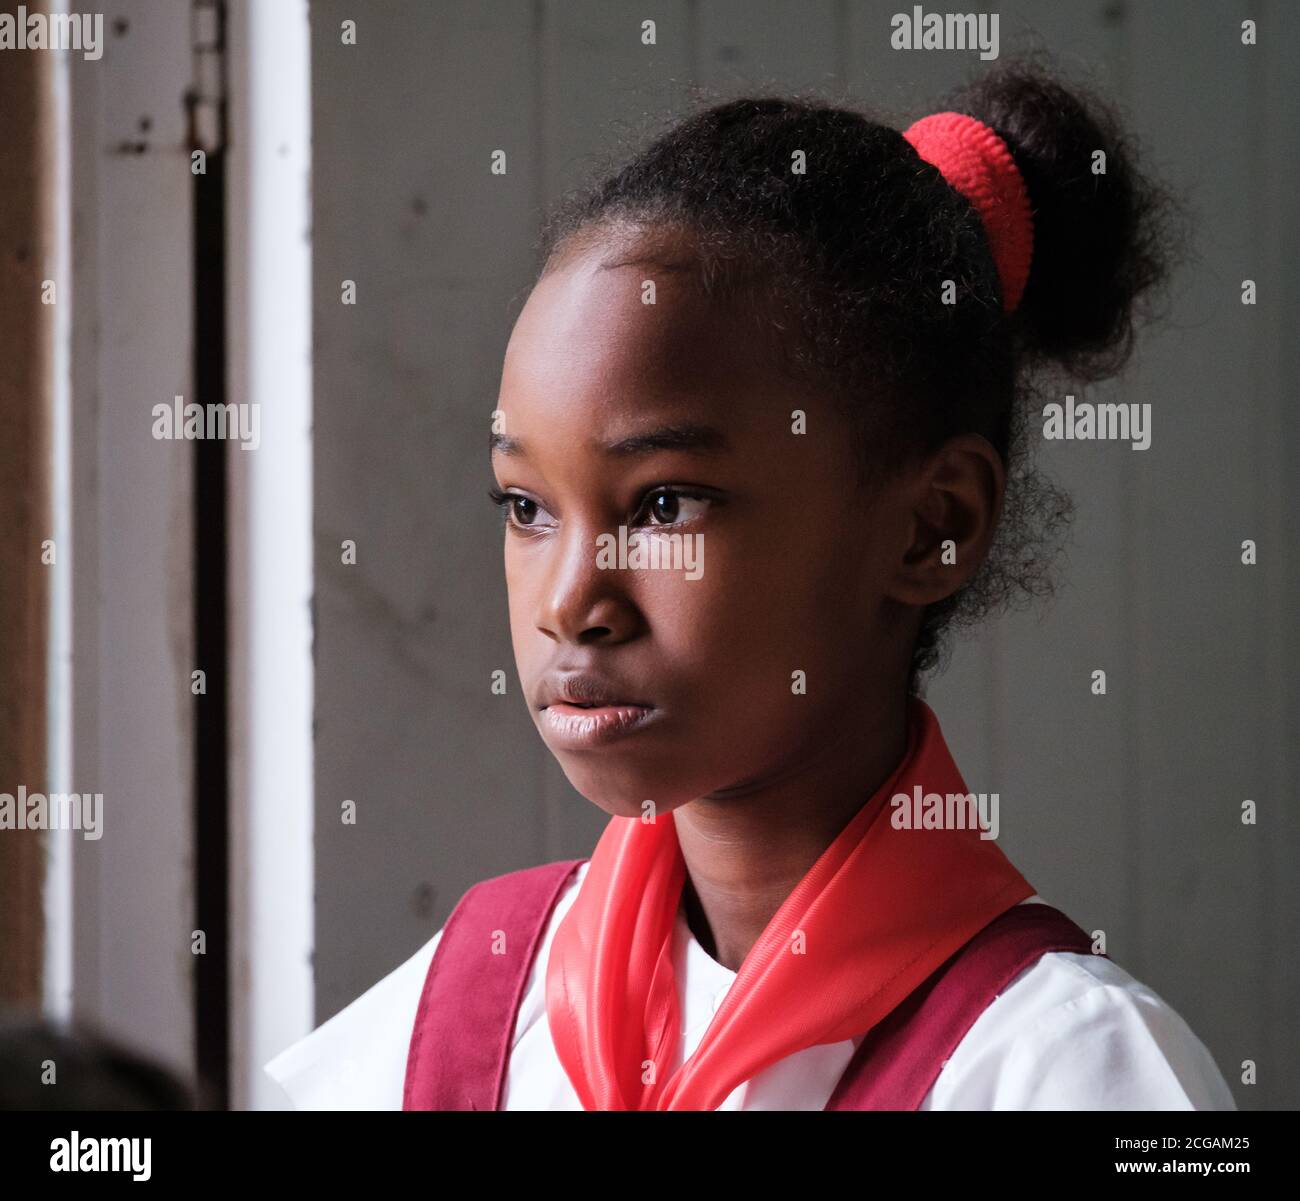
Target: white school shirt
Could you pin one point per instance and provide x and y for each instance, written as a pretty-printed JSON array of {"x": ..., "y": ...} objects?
[{"x": 1071, "y": 1031}]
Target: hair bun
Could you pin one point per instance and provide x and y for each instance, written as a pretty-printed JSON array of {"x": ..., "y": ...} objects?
[{"x": 1103, "y": 240}]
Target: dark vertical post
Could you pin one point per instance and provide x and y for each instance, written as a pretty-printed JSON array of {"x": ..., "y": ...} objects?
[{"x": 211, "y": 739}]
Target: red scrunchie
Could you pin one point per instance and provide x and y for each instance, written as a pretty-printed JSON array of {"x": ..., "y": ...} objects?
[{"x": 975, "y": 161}]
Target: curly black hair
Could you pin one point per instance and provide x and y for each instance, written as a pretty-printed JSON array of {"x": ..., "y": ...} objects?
[{"x": 848, "y": 260}]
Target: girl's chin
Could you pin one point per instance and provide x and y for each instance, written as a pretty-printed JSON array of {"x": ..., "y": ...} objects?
[
  {"x": 623, "y": 799},
  {"x": 623, "y": 809}
]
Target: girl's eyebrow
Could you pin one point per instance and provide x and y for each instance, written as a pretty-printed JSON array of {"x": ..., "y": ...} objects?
[
  {"x": 500, "y": 444},
  {"x": 694, "y": 439},
  {"x": 691, "y": 438}
]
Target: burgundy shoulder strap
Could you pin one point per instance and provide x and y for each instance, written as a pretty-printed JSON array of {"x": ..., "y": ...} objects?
[
  {"x": 460, "y": 1043},
  {"x": 898, "y": 1062}
]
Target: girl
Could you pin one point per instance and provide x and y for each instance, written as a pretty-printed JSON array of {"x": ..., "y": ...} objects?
[{"x": 759, "y": 445}]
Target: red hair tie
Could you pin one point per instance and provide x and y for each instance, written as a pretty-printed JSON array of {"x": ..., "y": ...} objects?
[{"x": 975, "y": 161}]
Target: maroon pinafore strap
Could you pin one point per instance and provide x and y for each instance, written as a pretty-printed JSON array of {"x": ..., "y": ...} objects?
[
  {"x": 901, "y": 1057},
  {"x": 460, "y": 1045}
]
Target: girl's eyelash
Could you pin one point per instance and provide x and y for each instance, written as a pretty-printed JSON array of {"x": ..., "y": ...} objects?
[
  {"x": 682, "y": 493},
  {"x": 503, "y": 500}
]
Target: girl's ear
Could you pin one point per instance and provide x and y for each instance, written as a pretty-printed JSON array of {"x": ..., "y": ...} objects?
[{"x": 951, "y": 512}]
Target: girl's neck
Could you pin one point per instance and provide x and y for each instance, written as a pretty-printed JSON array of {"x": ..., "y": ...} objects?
[{"x": 747, "y": 849}]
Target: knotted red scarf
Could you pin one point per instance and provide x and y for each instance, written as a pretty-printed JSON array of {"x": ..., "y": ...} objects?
[{"x": 876, "y": 914}]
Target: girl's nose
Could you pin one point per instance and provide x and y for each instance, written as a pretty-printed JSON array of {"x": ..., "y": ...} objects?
[{"x": 582, "y": 601}]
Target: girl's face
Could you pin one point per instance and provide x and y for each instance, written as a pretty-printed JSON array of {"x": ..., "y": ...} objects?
[{"x": 765, "y": 630}]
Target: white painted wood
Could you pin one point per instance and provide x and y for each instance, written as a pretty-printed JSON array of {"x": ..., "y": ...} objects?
[
  {"x": 1194, "y": 932},
  {"x": 1123, "y": 810},
  {"x": 58, "y": 889},
  {"x": 133, "y": 896},
  {"x": 269, "y": 312},
  {"x": 1272, "y": 759}
]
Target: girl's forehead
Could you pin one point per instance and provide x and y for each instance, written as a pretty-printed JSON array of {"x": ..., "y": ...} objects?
[
  {"x": 599, "y": 358},
  {"x": 631, "y": 334}
]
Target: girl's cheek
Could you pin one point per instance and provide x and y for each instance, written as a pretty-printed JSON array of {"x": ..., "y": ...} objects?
[
  {"x": 521, "y": 604},
  {"x": 712, "y": 620}
]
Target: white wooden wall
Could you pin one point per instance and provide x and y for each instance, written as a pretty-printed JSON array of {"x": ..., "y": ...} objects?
[
  {"x": 131, "y": 506},
  {"x": 121, "y": 945},
  {"x": 1123, "y": 810}
]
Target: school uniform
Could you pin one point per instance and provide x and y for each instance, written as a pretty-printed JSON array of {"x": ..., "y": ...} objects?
[
  {"x": 1071, "y": 1031},
  {"x": 1019, "y": 1014}
]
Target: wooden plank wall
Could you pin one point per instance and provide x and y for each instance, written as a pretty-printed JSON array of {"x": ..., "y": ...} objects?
[
  {"x": 132, "y": 606},
  {"x": 1123, "y": 809},
  {"x": 26, "y": 405}
]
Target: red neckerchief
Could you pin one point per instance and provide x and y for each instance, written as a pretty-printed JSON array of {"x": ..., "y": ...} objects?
[{"x": 881, "y": 908}]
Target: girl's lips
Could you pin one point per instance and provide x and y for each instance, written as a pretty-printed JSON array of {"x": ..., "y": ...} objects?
[{"x": 577, "y": 728}]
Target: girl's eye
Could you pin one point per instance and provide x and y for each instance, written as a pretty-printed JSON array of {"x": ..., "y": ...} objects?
[
  {"x": 663, "y": 506},
  {"x": 668, "y": 506},
  {"x": 517, "y": 510}
]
